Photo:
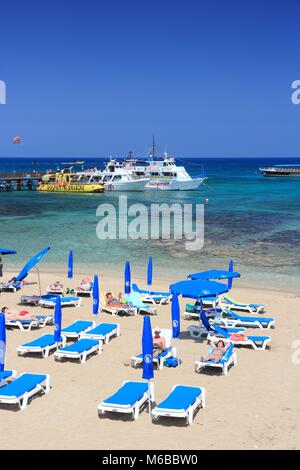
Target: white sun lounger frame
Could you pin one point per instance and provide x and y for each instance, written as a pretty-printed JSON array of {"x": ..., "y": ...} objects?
[
  {"x": 134, "y": 409},
  {"x": 103, "y": 338},
  {"x": 81, "y": 356},
  {"x": 188, "y": 414},
  {"x": 37, "y": 349},
  {"x": 22, "y": 400},
  {"x": 224, "y": 366}
]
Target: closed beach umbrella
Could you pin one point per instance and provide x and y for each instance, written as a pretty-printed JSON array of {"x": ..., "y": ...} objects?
[
  {"x": 2, "y": 341},
  {"x": 147, "y": 347},
  {"x": 70, "y": 265},
  {"x": 149, "y": 271},
  {"x": 30, "y": 264},
  {"x": 147, "y": 351},
  {"x": 57, "y": 319},
  {"x": 95, "y": 295},
  {"x": 175, "y": 311},
  {"x": 127, "y": 278}
]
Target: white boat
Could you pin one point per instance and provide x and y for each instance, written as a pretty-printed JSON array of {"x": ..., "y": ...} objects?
[
  {"x": 163, "y": 172},
  {"x": 115, "y": 178}
]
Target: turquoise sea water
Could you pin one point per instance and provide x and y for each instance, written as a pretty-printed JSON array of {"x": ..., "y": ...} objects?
[{"x": 252, "y": 219}]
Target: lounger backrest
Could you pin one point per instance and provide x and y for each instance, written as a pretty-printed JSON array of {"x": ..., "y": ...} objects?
[
  {"x": 102, "y": 300},
  {"x": 167, "y": 334},
  {"x": 136, "y": 299}
]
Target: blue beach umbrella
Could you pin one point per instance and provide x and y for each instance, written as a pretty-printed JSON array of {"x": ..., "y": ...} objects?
[
  {"x": 127, "y": 278},
  {"x": 2, "y": 341},
  {"x": 5, "y": 251},
  {"x": 31, "y": 263},
  {"x": 70, "y": 265},
  {"x": 147, "y": 349},
  {"x": 175, "y": 311},
  {"x": 196, "y": 289},
  {"x": 149, "y": 271},
  {"x": 57, "y": 319},
  {"x": 95, "y": 295},
  {"x": 213, "y": 274}
]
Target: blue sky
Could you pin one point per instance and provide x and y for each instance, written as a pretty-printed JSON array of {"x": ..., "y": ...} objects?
[{"x": 208, "y": 78}]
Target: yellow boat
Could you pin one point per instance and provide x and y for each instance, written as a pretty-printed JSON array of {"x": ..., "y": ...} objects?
[{"x": 64, "y": 182}]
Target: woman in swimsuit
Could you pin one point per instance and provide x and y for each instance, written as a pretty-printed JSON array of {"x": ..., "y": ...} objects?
[{"x": 218, "y": 351}]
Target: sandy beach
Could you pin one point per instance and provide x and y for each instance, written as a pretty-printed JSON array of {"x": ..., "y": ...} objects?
[{"x": 255, "y": 407}]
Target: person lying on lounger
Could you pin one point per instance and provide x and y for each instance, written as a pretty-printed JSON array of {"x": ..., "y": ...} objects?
[
  {"x": 218, "y": 350},
  {"x": 85, "y": 285},
  {"x": 111, "y": 301},
  {"x": 12, "y": 314},
  {"x": 159, "y": 343},
  {"x": 56, "y": 287}
]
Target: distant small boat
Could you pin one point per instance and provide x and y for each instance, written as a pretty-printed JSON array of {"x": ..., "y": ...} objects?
[{"x": 281, "y": 170}]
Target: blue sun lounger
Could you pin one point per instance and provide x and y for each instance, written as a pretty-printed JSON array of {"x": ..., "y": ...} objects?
[
  {"x": 27, "y": 325},
  {"x": 103, "y": 332},
  {"x": 6, "y": 375},
  {"x": 76, "y": 329},
  {"x": 256, "y": 342},
  {"x": 43, "y": 345},
  {"x": 228, "y": 359},
  {"x": 129, "y": 399},
  {"x": 233, "y": 319},
  {"x": 160, "y": 359},
  {"x": 135, "y": 299},
  {"x": 24, "y": 387},
  {"x": 227, "y": 302},
  {"x": 153, "y": 297},
  {"x": 79, "y": 350},
  {"x": 70, "y": 301},
  {"x": 182, "y": 402},
  {"x": 35, "y": 299}
]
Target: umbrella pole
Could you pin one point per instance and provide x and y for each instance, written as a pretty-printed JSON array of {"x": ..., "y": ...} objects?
[
  {"x": 151, "y": 394},
  {"x": 40, "y": 289}
]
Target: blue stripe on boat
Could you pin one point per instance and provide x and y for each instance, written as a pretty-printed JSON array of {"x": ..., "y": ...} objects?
[
  {"x": 128, "y": 394},
  {"x": 22, "y": 384},
  {"x": 180, "y": 398}
]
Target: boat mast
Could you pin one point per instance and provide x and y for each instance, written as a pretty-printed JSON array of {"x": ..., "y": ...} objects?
[{"x": 153, "y": 147}]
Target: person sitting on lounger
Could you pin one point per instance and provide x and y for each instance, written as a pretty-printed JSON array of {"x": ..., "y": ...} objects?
[
  {"x": 111, "y": 301},
  {"x": 56, "y": 287},
  {"x": 85, "y": 285},
  {"x": 218, "y": 351},
  {"x": 11, "y": 314},
  {"x": 159, "y": 343}
]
